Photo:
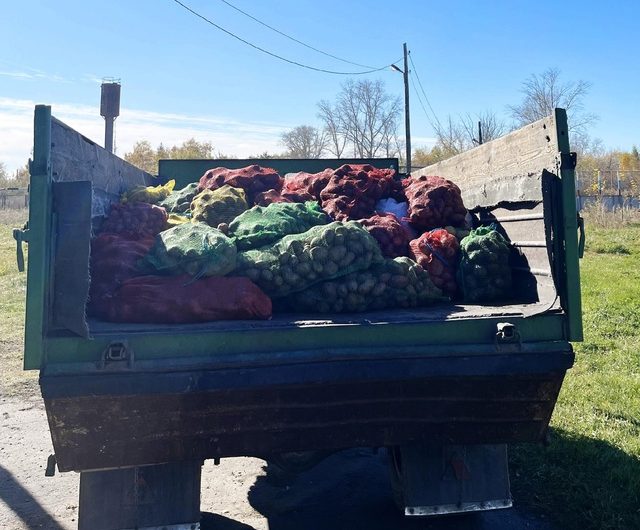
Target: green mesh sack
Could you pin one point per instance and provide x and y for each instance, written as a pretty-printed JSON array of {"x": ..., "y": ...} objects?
[
  {"x": 179, "y": 201},
  {"x": 484, "y": 273},
  {"x": 220, "y": 206},
  {"x": 298, "y": 261},
  {"x": 192, "y": 248},
  {"x": 262, "y": 225},
  {"x": 394, "y": 283}
]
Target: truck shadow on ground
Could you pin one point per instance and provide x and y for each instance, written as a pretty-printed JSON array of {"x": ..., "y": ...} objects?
[
  {"x": 23, "y": 504},
  {"x": 351, "y": 490}
]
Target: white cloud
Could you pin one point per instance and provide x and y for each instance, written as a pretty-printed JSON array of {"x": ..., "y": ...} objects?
[{"x": 227, "y": 135}]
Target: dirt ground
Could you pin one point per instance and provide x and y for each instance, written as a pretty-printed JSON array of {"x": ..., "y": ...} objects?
[{"x": 349, "y": 490}]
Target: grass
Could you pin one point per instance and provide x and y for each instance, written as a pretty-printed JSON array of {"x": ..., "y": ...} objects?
[
  {"x": 12, "y": 301},
  {"x": 589, "y": 476}
]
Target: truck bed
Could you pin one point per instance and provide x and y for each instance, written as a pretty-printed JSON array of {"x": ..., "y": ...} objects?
[
  {"x": 132, "y": 394},
  {"x": 436, "y": 313}
]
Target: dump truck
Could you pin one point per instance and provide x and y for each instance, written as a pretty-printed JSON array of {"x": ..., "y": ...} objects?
[{"x": 137, "y": 408}]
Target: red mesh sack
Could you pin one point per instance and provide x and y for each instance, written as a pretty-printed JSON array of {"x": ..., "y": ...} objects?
[
  {"x": 433, "y": 202},
  {"x": 135, "y": 220},
  {"x": 252, "y": 179},
  {"x": 269, "y": 197},
  {"x": 353, "y": 190},
  {"x": 180, "y": 300},
  {"x": 308, "y": 185},
  {"x": 114, "y": 259},
  {"x": 392, "y": 237},
  {"x": 437, "y": 251}
]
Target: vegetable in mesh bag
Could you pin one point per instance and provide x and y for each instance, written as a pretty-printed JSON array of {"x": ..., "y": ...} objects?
[
  {"x": 150, "y": 194},
  {"x": 252, "y": 179},
  {"x": 192, "y": 248},
  {"x": 114, "y": 259},
  {"x": 260, "y": 225},
  {"x": 485, "y": 273},
  {"x": 392, "y": 237},
  {"x": 353, "y": 190},
  {"x": 219, "y": 206},
  {"x": 135, "y": 220},
  {"x": 300, "y": 260},
  {"x": 434, "y": 202},
  {"x": 306, "y": 186},
  {"x": 394, "y": 283},
  {"x": 181, "y": 300},
  {"x": 179, "y": 201},
  {"x": 437, "y": 251}
]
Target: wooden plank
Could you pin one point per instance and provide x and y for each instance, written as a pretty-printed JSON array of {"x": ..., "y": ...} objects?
[{"x": 507, "y": 169}]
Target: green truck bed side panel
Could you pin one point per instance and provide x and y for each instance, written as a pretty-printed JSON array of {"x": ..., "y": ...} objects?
[
  {"x": 40, "y": 244},
  {"x": 572, "y": 299}
]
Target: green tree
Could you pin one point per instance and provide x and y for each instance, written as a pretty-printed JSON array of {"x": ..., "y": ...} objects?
[{"x": 144, "y": 156}]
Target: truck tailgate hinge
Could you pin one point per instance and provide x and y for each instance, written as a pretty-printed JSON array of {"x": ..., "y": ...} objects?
[
  {"x": 567, "y": 161},
  {"x": 20, "y": 235}
]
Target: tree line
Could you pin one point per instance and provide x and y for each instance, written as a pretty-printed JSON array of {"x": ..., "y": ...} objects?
[{"x": 364, "y": 121}]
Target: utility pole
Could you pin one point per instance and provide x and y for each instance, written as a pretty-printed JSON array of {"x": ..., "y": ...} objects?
[{"x": 407, "y": 122}]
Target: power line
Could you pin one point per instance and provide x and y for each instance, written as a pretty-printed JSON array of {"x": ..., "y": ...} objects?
[
  {"x": 415, "y": 90},
  {"x": 423, "y": 92},
  {"x": 208, "y": 21},
  {"x": 293, "y": 38}
]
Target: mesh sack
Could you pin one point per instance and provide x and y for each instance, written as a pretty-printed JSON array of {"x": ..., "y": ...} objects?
[
  {"x": 394, "y": 283},
  {"x": 353, "y": 190},
  {"x": 434, "y": 202},
  {"x": 219, "y": 206},
  {"x": 114, "y": 259},
  {"x": 298, "y": 261},
  {"x": 260, "y": 226},
  {"x": 135, "y": 220},
  {"x": 437, "y": 251},
  {"x": 192, "y": 248},
  {"x": 252, "y": 179},
  {"x": 150, "y": 194},
  {"x": 484, "y": 273},
  {"x": 177, "y": 219},
  {"x": 181, "y": 300},
  {"x": 303, "y": 184},
  {"x": 392, "y": 237},
  {"x": 179, "y": 201},
  {"x": 269, "y": 197}
]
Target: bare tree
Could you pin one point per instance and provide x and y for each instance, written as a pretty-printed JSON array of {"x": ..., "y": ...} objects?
[
  {"x": 365, "y": 117},
  {"x": 304, "y": 141},
  {"x": 452, "y": 138},
  {"x": 336, "y": 139},
  {"x": 492, "y": 127},
  {"x": 544, "y": 92}
]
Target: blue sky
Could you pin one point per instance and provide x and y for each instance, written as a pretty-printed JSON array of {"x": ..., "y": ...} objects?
[{"x": 182, "y": 78}]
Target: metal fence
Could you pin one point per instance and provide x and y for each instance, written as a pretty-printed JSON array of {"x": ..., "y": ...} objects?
[
  {"x": 14, "y": 198},
  {"x": 610, "y": 189}
]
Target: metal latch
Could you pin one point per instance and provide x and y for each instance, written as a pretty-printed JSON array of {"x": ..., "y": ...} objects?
[
  {"x": 567, "y": 161},
  {"x": 582, "y": 238},
  {"x": 116, "y": 355},
  {"x": 507, "y": 333},
  {"x": 20, "y": 235}
]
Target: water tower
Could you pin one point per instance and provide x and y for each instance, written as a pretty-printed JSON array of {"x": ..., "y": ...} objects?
[{"x": 109, "y": 108}]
